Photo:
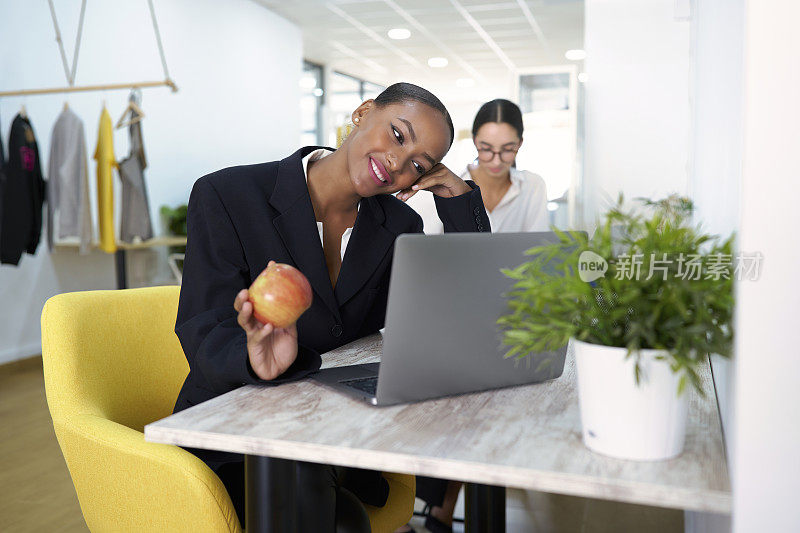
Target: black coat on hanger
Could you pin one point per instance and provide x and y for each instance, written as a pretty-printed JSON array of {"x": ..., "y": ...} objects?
[
  {"x": 23, "y": 194},
  {"x": 241, "y": 218},
  {"x": 2, "y": 149},
  {"x": 2, "y": 174}
]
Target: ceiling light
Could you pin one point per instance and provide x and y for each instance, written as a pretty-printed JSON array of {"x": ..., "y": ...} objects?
[
  {"x": 465, "y": 82},
  {"x": 582, "y": 77},
  {"x": 437, "y": 62},
  {"x": 308, "y": 82},
  {"x": 575, "y": 55},
  {"x": 399, "y": 34}
]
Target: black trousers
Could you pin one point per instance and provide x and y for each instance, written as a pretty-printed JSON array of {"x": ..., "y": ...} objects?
[
  {"x": 329, "y": 498},
  {"x": 431, "y": 490}
]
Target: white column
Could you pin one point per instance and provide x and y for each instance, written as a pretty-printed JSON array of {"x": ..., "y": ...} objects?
[{"x": 766, "y": 479}]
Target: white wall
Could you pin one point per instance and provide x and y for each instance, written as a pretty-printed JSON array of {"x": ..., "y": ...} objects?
[
  {"x": 237, "y": 66},
  {"x": 718, "y": 40},
  {"x": 637, "y": 101},
  {"x": 766, "y": 479}
]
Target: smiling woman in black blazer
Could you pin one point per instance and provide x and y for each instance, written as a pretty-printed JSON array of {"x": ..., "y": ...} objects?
[{"x": 307, "y": 210}]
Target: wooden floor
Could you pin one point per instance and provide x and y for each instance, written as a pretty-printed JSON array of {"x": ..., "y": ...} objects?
[{"x": 36, "y": 492}]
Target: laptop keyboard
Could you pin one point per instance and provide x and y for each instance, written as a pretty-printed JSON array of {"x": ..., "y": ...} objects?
[{"x": 368, "y": 385}]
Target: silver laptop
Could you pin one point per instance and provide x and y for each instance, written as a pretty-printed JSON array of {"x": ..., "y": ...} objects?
[{"x": 441, "y": 338}]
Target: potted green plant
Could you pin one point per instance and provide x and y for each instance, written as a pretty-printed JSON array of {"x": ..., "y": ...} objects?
[
  {"x": 174, "y": 221},
  {"x": 643, "y": 302},
  {"x": 175, "y": 218}
]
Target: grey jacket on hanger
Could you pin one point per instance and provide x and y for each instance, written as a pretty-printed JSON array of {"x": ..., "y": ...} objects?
[
  {"x": 135, "y": 217},
  {"x": 68, "y": 205}
]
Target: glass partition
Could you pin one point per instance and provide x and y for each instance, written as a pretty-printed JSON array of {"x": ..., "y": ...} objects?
[{"x": 312, "y": 97}]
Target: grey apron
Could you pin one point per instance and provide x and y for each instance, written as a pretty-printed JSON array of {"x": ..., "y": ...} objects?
[{"x": 135, "y": 216}]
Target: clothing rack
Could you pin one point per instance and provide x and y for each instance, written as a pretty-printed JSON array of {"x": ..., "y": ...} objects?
[{"x": 114, "y": 86}]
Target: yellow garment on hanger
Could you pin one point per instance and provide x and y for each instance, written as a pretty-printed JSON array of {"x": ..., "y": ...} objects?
[{"x": 104, "y": 155}]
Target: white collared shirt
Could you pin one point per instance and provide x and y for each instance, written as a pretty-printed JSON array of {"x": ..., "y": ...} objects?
[
  {"x": 522, "y": 208},
  {"x": 315, "y": 156}
]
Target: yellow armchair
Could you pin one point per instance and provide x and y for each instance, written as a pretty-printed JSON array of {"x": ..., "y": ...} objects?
[{"x": 112, "y": 363}]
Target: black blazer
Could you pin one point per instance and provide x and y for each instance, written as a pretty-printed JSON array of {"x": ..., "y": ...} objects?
[{"x": 239, "y": 219}]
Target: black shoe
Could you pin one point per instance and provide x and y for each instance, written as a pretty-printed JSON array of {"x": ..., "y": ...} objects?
[{"x": 434, "y": 525}]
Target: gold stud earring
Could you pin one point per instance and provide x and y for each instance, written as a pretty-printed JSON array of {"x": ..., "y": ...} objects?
[{"x": 356, "y": 120}]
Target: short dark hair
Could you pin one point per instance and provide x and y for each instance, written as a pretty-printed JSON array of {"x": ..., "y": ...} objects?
[
  {"x": 500, "y": 110},
  {"x": 403, "y": 92}
]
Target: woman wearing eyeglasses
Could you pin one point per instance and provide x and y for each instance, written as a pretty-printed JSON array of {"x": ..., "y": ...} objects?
[{"x": 516, "y": 200}]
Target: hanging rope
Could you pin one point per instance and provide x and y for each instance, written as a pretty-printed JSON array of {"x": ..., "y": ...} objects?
[
  {"x": 60, "y": 42},
  {"x": 71, "y": 73},
  {"x": 77, "y": 43},
  {"x": 158, "y": 41}
]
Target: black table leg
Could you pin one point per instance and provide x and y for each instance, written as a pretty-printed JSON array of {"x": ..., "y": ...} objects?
[
  {"x": 270, "y": 487},
  {"x": 122, "y": 272},
  {"x": 485, "y": 508}
]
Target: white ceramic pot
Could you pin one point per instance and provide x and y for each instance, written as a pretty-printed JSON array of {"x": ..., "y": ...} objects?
[{"x": 645, "y": 422}]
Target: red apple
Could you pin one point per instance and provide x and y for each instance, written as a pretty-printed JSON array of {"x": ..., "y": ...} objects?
[{"x": 280, "y": 294}]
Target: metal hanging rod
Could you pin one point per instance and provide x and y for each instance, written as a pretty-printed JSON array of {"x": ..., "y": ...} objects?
[{"x": 114, "y": 86}]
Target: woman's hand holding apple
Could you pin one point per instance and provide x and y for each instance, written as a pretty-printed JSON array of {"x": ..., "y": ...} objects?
[
  {"x": 268, "y": 311},
  {"x": 271, "y": 350}
]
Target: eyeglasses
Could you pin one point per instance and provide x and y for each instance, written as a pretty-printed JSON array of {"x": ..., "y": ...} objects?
[{"x": 507, "y": 155}]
